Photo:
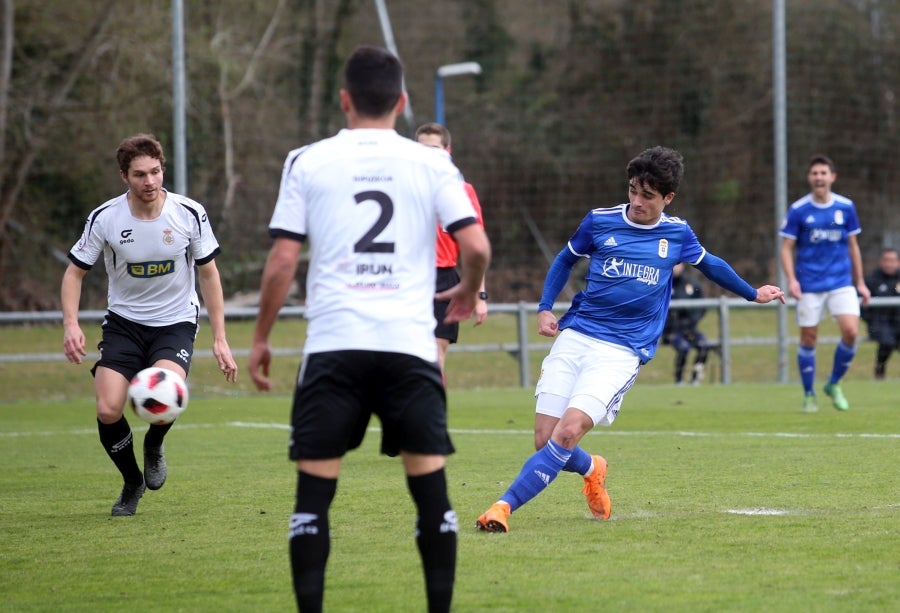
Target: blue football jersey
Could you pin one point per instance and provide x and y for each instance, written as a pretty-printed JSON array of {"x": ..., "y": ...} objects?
[
  {"x": 821, "y": 232},
  {"x": 629, "y": 278}
]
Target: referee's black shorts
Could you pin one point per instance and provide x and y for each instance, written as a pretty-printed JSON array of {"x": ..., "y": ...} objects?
[
  {"x": 338, "y": 392},
  {"x": 446, "y": 278}
]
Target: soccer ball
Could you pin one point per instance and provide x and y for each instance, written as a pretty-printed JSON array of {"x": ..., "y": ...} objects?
[{"x": 158, "y": 395}]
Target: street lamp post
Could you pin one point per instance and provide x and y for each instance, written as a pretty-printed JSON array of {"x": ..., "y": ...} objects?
[{"x": 449, "y": 70}]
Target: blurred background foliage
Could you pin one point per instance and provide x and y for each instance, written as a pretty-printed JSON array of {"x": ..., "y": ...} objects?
[{"x": 569, "y": 92}]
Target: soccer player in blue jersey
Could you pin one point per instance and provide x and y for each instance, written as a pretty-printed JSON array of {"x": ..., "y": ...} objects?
[
  {"x": 827, "y": 272},
  {"x": 612, "y": 327}
]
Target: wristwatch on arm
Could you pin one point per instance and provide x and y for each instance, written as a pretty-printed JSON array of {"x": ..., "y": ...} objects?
[{"x": 483, "y": 295}]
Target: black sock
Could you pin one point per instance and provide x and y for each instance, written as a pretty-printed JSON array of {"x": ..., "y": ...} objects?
[
  {"x": 118, "y": 442},
  {"x": 310, "y": 540},
  {"x": 881, "y": 358},
  {"x": 156, "y": 433},
  {"x": 680, "y": 361},
  {"x": 436, "y": 533}
]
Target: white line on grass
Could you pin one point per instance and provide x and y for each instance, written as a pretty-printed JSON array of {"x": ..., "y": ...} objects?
[
  {"x": 478, "y": 431},
  {"x": 604, "y": 432}
]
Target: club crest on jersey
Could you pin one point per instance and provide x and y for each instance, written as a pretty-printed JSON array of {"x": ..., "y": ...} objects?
[
  {"x": 168, "y": 238},
  {"x": 839, "y": 217},
  {"x": 663, "y": 249},
  {"x": 145, "y": 270}
]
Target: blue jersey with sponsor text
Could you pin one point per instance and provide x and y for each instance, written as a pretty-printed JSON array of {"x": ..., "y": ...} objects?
[
  {"x": 629, "y": 278},
  {"x": 822, "y": 232}
]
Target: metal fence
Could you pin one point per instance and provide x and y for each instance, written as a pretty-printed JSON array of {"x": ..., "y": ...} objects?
[{"x": 520, "y": 347}]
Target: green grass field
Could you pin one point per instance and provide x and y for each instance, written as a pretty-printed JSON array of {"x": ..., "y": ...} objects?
[{"x": 725, "y": 498}]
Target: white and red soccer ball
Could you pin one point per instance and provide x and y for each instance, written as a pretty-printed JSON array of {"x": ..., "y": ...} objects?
[{"x": 158, "y": 395}]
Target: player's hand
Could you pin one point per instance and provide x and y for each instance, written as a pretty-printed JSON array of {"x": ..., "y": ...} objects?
[
  {"x": 226, "y": 361},
  {"x": 768, "y": 293},
  {"x": 462, "y": 303},
  {"x": 258, "y": 364},
  {"x": 73, "y": 344},
  {"x": 864, "y": 293},
  {"x": 547, "y": 324},
  {"x": 794, "y": 290},
  {"x": 481, "y": 312}
]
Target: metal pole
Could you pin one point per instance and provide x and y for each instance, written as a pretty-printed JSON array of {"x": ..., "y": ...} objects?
[
  {"x": 725, "y": 340},
  {"x": 779, "y": 89},
  {"x": 438, "y": 99},
  {"x": 387, "y": 32},
  {"x": 524, "y": 356},
  {"x": 178, "y": 97},
  {"x": 449, "y": 70}
]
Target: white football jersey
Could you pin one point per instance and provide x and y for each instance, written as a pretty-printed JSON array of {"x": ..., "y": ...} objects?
[
  {"x": 150, "y": 263},
  {"x": 369, "y": 202}
]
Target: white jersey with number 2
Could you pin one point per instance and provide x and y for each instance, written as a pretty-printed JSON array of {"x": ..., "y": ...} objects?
[{"x": 368, "y": 202}]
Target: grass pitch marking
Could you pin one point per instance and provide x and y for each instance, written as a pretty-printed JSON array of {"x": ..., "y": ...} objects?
[{"x": 494, "y": 432}]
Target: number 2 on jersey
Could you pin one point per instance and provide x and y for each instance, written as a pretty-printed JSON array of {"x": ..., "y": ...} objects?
[{"x": 367, "y": 243}]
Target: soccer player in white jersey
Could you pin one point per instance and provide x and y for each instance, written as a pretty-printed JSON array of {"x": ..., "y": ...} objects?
[
  {"x": 368, "y": 201},
  {"x": 150, "y": 240},
  {"x": 827, "y": 272},
  {"x": 612, "y": 327}
]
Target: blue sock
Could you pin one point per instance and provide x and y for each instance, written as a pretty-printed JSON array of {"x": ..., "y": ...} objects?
[
  {"x": 843, "y": 357},
  {"x": 537, "y": 473},
  {"x": 580, "y": 462},
  {"x": 806, "y": 362}
]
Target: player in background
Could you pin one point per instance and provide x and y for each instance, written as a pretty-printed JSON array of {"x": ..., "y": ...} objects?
[
  {"x": 827, "y": 272},
  {"x": 368, "y": 201},
  {"x": 884, "y": 321},
  {"x": 681, "y": 331},
  {"x": 611, "y": 329},
  {"x": 438, "y": 136},
  {"x": 150, "y": 240}
]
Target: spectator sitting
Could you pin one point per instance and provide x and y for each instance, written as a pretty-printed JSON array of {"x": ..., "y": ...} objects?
[{"x": 884, "y": 322}]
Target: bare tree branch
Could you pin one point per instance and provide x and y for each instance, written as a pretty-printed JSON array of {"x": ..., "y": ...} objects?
[
  {"x": 6, "y": 56},
  {"x": 35, "y": 141},
  {"x": 226, "y": 95}
]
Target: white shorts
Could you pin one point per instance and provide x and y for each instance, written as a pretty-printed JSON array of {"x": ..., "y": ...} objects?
[
  {"x": 587, "y": 374},
  {"x": 811, "y": 306}
]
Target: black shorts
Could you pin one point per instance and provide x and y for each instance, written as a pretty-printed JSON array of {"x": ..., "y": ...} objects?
[
  {"x": 338, "y": 392},
  {"x": 128, "y": 347},
  {"x": 446, "y": 278}
]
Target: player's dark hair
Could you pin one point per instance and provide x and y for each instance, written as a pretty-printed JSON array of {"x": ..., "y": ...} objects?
[
  {"x": 137, "y": 146},
  {"x": 374, "y": 79},
  {"x": 658, "y": 168},
  {"x": 435, "y": 128},
  {"x": 820, "y": 159}
]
